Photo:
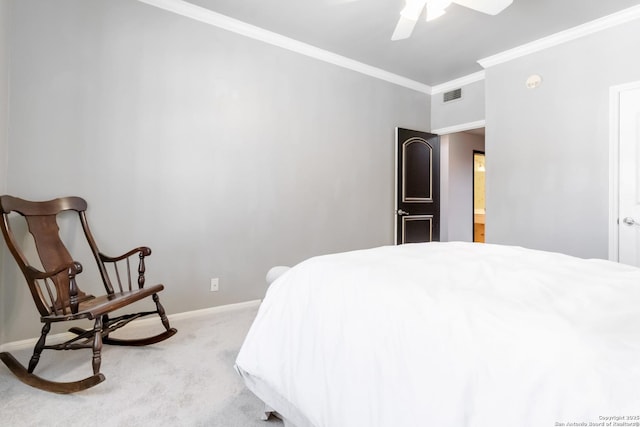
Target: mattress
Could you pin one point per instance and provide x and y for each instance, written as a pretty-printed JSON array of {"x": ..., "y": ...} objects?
[{"x": 448, "y": 334}]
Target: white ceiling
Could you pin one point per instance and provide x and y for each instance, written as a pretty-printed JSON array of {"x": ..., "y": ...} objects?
[{"x": 438, "y": 51}]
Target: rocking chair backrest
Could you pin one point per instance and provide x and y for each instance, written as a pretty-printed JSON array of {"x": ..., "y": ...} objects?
[{"x": 43, "y": 227}]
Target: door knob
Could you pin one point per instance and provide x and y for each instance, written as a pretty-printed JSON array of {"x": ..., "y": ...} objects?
[
  {"x": 629, "y": 221},
  {"x": 402, "y": 213}
]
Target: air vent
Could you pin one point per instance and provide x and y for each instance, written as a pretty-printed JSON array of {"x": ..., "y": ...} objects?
[{"x": 452, "y": 95}]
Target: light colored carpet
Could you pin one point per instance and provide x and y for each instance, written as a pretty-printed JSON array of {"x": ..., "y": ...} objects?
[{"x": 187, "y": 380}]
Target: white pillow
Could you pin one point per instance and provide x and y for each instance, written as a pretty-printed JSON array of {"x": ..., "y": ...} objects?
[{"x": 276, "y": 272}]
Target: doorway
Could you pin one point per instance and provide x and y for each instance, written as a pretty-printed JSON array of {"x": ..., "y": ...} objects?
[
  {"x": 479, "y": 210},
  {"x": 456, "y": 196}
]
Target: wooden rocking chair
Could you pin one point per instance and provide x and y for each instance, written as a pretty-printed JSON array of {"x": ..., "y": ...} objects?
[{"x": 58, "y": 298}]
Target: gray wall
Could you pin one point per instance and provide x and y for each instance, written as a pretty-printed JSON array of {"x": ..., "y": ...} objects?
[
  {"x": 4, "y": 89},
  {"x": 468, "y": 109},
  {"x": 457, "y": 185},
  {"x": 4, "y": 117},
  {"x": 547, "y": 149},
  {"x": 224, "y": 154}
]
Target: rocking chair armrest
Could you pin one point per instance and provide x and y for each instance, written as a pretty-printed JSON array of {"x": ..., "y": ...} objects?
[
  {"x": 73, "y": 268},
  {"x": 142, "y": 250}
]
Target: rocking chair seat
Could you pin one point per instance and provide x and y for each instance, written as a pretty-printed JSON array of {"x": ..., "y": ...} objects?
[{"x": 94, "y": 307}]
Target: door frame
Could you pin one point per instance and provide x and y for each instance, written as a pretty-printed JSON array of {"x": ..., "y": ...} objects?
[{"x": 614, "y": 164}]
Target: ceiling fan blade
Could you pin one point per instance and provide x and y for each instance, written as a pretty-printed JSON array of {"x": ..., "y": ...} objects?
[
  {"x": 490, "y": 7},
  {"x": 413, "y": 9},
  {"x": 404, "y": 28},
  {"x": 434, "y": 12}
]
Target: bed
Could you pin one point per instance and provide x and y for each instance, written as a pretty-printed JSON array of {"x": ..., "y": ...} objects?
[{"x": 448, "y": 334}]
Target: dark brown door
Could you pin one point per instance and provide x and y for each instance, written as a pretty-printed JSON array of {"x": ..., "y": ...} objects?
[{"x": 417, "y": 186}]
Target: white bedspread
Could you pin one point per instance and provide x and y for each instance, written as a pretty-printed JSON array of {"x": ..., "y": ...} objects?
[{"x": 451, "y": 334}]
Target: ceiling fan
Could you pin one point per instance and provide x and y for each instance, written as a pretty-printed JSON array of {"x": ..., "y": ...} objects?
[{"x": 435, "y": 8}]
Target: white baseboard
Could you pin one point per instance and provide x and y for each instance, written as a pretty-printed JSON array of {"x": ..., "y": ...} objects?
[{"x": 29, "y": 343}]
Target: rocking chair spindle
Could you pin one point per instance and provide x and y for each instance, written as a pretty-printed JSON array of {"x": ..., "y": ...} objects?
[{"x": 57, "y": 297}]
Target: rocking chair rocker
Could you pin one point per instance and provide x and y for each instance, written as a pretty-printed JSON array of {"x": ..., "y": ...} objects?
[{"x": 58, "y": 298}]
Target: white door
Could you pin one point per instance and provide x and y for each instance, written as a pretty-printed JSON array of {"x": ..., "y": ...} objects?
[{"x": 629, "y": 181}]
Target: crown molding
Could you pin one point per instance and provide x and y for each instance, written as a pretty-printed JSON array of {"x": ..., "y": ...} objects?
[
  {"x": 459, "y": 128},
  {"x": 583, "y": 30},
  {"x": 207, "y": 16},
  {"x": 457, "y": 83}
]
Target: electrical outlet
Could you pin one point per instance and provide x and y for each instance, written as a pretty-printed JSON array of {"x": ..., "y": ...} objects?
[{"x": 214, "y": 284}]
